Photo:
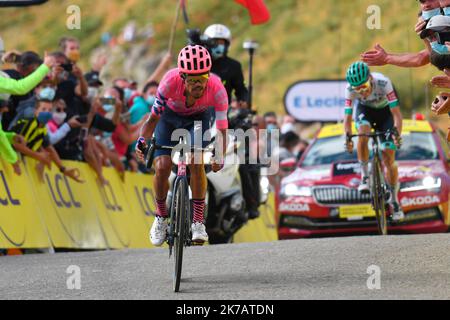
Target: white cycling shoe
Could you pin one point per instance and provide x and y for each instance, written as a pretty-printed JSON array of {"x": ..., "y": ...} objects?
[
  {"x": 199, "y": 234},
  {"x": 158, "y": 232},
  {"x": 364, "y": 185},
  {"x": 398, "y": 214}
]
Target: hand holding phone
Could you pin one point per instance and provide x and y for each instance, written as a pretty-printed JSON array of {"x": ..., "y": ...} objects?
[{"x": 105, "y": 101}]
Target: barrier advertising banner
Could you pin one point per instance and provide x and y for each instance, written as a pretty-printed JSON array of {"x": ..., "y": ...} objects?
[{"x": 316, "y": 101}]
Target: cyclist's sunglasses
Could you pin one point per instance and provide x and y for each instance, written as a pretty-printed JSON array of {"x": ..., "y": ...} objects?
[
  {"x": 191, "y": 80},
  {"x": 364, "y": 87}
]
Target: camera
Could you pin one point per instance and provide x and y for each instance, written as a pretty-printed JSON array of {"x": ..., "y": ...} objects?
[
  {"x": 240, "y": 119},
  {"x": 82, "y": 119},
  {"x": 67, "y": 67},
  {"x": 195, "y": 37}
]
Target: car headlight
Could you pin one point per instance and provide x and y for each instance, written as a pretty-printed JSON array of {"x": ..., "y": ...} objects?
[
  {"x": 427, "y": 183},
  {"x": 292, "y": 189}
]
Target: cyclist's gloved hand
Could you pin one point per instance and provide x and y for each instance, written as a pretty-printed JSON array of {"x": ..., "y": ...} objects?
[
  {"x": 397, "y": 138},
  {"x": 349, "y": 144},
  {"x": 140, "y": 148}
]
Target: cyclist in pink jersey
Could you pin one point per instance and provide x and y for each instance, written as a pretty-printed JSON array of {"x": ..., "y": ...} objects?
[{"x": 185, "y": 99}]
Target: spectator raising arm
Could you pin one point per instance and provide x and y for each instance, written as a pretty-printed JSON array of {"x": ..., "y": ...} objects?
[
  {"x": 163, "y": 66},
  {"x": 379, "y": 57},
  {"x": 82, "y": 87},
  {"x": 22, "y": 87}
]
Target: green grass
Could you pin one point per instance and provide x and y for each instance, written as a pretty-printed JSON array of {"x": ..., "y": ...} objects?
[{"x": 305, "y": 39}]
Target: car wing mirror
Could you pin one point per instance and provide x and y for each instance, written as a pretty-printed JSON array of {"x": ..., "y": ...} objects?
[{"x": 288, "y": 166}]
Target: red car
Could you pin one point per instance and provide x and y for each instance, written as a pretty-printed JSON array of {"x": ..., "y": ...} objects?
[{"x": 320, "y": 197}]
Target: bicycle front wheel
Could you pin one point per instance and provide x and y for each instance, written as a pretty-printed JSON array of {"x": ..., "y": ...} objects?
[
  {"x": 179, "y": 229},
  {"x": 378, "y": 196}
]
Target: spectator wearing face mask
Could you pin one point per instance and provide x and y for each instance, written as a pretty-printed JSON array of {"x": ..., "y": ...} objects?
[
  {"x": 57, "y": 129},
  {"x": 94, "y": 85},
  {"x": 111, "y": 108},
  {"x": 36, "y": 142},
  {"x": 143, "y": 104},
  {"x": 71, "y": 86},
  {"x": 125, "y": 85},
  {"x": 45, "y": 91},
  {"x": 288, "y": 124}
]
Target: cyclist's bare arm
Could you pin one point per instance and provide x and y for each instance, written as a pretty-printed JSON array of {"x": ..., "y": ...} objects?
[
  {"x": 398, "y": 119},
  {"x": 348, "y": 120},
  {"x": 149, "y": 126}
]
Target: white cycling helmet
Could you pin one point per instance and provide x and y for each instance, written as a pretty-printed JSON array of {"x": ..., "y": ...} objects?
[
  {"x": 436, "y": 24},
  {"x": 218, "y": 31}
]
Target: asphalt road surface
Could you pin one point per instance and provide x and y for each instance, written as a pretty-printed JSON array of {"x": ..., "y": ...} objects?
[{"x": 402, "y": 267}]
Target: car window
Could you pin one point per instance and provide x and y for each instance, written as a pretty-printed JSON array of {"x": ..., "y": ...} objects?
[
  {"x": 327, "y": 151},
  {"x": 416, "y": 146}
]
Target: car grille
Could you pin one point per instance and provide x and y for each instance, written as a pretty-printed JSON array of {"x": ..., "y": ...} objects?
[{"x": 338, "y": 195}]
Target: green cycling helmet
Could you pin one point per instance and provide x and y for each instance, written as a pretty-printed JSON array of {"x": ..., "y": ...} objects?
[{"x": 358, "y": 74}]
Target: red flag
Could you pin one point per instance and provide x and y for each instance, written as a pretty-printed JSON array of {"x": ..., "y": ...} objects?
[{"x": 259, "y": 13}]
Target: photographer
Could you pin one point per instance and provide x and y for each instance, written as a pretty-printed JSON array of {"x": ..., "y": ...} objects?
[{"x": 71, "y": 85}]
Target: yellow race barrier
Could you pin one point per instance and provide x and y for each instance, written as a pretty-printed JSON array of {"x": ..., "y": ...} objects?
[
  {"x": 20, "y": 216},
  {"x": 51, "y": 210},
  {"x": 262, "y": 229}
]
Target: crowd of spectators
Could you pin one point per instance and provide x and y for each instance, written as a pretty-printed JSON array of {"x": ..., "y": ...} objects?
[
  {"x": 69, "y": 114},
  {"x": 65, "y": 113}
]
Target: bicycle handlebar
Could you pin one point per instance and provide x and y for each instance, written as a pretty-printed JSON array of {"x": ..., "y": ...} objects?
[
  {"x": 149, "y": 152},
  {"x": 375, "y": 134}
]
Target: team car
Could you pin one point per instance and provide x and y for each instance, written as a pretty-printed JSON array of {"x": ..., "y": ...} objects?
[{"x": 320, "y": 198}]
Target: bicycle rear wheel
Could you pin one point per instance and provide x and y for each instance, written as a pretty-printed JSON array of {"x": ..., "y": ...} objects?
[
  {"x": 179, "y": 229},
  {"x": 378, "y": 196}
]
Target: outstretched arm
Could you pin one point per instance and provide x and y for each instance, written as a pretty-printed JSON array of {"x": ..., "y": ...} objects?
[
  {"x": 379, "y": 57},
  {"x": 23, "y": 86}
]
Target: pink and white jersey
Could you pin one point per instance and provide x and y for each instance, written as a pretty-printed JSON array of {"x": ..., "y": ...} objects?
[{"x": 171, "y": 94}]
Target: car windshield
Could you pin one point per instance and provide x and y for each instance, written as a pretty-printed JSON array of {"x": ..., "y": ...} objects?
[{"x": 416, "y": 146}]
